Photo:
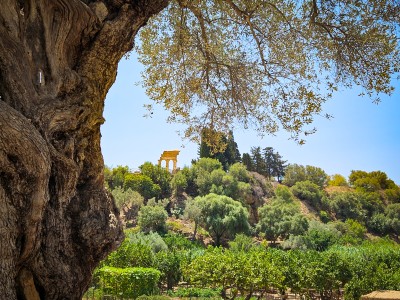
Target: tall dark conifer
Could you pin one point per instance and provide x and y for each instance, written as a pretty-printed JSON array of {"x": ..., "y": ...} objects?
[
  {"x": 258, "y": 160},
  {"x": 247, "y": 161},
  {"x": 227, "y": 157}
]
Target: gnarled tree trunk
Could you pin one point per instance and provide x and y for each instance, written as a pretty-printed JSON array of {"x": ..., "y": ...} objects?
[{"x": 57, "y": 61}]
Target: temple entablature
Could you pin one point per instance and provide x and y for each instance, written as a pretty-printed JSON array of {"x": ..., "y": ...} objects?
[{"x": 169, "y": 155}]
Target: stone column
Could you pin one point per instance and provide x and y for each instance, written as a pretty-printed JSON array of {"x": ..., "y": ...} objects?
[
  {"x": 167, "y": 164},
  {"x": 174, "y": 166}
]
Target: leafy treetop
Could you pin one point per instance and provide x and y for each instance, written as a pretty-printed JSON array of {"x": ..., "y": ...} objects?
[{"x": 266, "y": 64}]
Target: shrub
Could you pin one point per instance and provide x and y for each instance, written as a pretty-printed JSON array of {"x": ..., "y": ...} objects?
[
  {"x": 159, "y": 176},
  {"x": 152, "y": 239},
  {"x": 379, "y": 224},
  {"x": 93, "y": 294},
  {"x": 324, "y": 216},
  {"x": 321, "y": 236},
  {"x": 152, "y": 218},
  {"x": 283, "y": 194},
  {"x": 207, "y": 164},
  {"x": 337, "y": 180},
  {"x": 168, "y": 263},
  {"x": 327, "y": 273},
  {"x": 222, "y": 216},
  {"x": 392, "y": 212},
  {"x": 239, "y": 172},
  {"x": 393, "y": 194},
  {"x": 375, "y": 266},
  {"x": 347, "y": 205},
  {"x": 179, "y": 242},
  {"x": 279, "y": 220},
  {"x": 295, "y": 173},
  {"x": 354, "y": 232},
  {"x": 241, "y": 242},
  {"x": 142, "y": 184},
  {"x": 179, "y": 183},
  {"x": 131, "y": 254},
  {"x": 129, "y": 203},
  {"x": 196, "y": 292},
  {"x": 240, "y": 272},
  {"x": 115, "y": 177},
  {"x": 152, "y": 297},
  {"x": 129, "y": 282},
  {"x": 308, "y": 191},
  {"x": 125, "y": 198}
]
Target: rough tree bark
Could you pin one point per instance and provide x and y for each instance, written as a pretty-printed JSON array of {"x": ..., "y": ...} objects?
[{"x": 58, "y": 59}]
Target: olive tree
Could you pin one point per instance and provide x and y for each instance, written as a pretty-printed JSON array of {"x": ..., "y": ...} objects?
[{"x": 222, "y": 216}]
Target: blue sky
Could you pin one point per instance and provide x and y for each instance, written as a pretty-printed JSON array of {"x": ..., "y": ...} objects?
[{"x": 361, "y": 136}]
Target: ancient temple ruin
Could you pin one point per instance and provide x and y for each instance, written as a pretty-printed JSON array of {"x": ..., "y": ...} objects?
[{"x": 169, "y": 155}]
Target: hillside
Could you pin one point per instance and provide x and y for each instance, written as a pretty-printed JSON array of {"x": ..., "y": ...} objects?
[{"x": 306, "y": 201}]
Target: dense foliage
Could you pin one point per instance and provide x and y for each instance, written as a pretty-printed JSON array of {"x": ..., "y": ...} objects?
[
  {"x": 370, "y": 199},
  {"x": 271, "y": 65},
  {"x": 322, "y": 222},
  {"x": 152, "y": 218},
  {"x": 267, "y": 64},
  {"x": 248, "y": 268},
  {"x": 229, "y": 152},
  {"x": 356, "y": 270},
  {"x": 281, "y": 218},
  {"x": 152, "y": 181},
  {"x": 222, "y": 216},
  {"x": 295, "y": 173},
  {"x": 129, "y": 282},
  {"x": 266, "y": 162}
]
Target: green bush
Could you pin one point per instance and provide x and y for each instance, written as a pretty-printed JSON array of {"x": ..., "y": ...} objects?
[
  {"x": 283, "y": 194},
  {"x": 127, "y": 198},
  {"x": 354, "y": 233},
  {"x": 379, "y": 224},
  {"x": 142, "y": 184},
  {"x": 327, "y": 273},
  {"x": 241, "y": 242},
  {"x": 129, "y": 282},
  {"x": 280, "y": 220},
  {"x": 179, "y": 242},
  {"x": 131, "y": 254},
  {"x": 152, "y": 218},
  {"x": 222, "y": 216},
  {"x": 324, "y": 216},
  {"x": 93, "y": 294},
  {"x": 179, "y": 183},
  {"x": 305, "y": 271},
  {"x": 235, "y": 272},
  {"x": 347, "y": 205},
  {"x": 168, "y": 263},
  {"x": 318, "y": 237},
  {"x": 152, "y": 297},
  {"x": 161, "y": 177},
  {"x": 248, "y": 272},
  {"x": 392, "y": 212},
  {"x": 295, "y": 173},
  {"x": 152, "y": 239},
  {"x": 308, "y": 191},
  {"x": 115, "y": 177},
  {"x": 239, "y": 172},
  {"x": 374, "y": 266},
  {"x": 196, "y": 292}
]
